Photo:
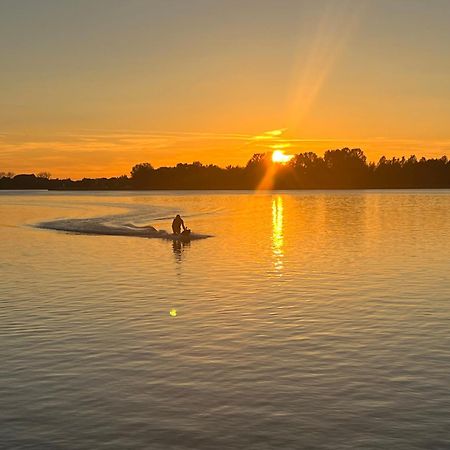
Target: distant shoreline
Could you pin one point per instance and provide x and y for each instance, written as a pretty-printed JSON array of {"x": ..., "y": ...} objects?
[
  {"x": 337, "y": 169},
  {"x": 231, "y": 189}
]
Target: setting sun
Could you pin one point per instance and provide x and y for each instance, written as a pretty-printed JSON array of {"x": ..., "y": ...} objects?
[{"x": 278, "y": 156}]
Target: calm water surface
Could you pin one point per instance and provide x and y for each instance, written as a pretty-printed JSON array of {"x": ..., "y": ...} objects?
[{"x": 310, "y": 320}]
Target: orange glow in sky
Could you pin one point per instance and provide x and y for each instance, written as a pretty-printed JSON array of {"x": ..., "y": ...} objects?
[{"x": 90, "y": 89}]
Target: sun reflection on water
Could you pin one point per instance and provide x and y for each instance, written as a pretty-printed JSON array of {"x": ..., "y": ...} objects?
[{"x": 277, "y": 233}]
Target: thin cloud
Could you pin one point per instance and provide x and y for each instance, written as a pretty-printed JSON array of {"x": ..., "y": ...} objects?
[{"x": 269, "y": 135}]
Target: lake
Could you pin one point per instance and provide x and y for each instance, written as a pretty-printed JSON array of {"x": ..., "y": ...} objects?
[{"x": 306, "y": 320}]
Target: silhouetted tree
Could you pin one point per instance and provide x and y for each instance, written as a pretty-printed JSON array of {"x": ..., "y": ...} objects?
[
  {"x": 46, "y": 175},
  {"x": 141, "y": 175},
  {"x": 347, "y": 168}
]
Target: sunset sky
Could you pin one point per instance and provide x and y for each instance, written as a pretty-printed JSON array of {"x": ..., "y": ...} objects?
[{"x": 89, "y": 88}]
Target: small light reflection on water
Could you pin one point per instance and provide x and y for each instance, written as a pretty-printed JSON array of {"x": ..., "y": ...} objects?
[{"x": 277, "y": 234}]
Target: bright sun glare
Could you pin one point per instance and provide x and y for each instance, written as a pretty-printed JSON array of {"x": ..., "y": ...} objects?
[{"x": 278, "y": 156}]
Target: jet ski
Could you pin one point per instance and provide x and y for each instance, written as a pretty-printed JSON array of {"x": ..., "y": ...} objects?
[{"x": 184, "y": 236}]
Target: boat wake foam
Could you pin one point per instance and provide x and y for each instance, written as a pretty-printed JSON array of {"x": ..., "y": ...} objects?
[{"x": 117, "y": 225}]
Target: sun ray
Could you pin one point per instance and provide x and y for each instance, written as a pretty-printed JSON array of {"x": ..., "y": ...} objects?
[{"x": 333, "y": 32}]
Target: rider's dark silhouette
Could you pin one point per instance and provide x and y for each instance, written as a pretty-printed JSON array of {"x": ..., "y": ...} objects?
[{"x": 177, "y": 224}]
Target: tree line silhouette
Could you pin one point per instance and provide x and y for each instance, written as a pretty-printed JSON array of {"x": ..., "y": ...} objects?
[{"x": 337, "y": 169}]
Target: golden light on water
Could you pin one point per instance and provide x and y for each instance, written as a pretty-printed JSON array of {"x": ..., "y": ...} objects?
[
  {"x": 277, "y": 233},
  {"x": 278, "y": 156}
]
